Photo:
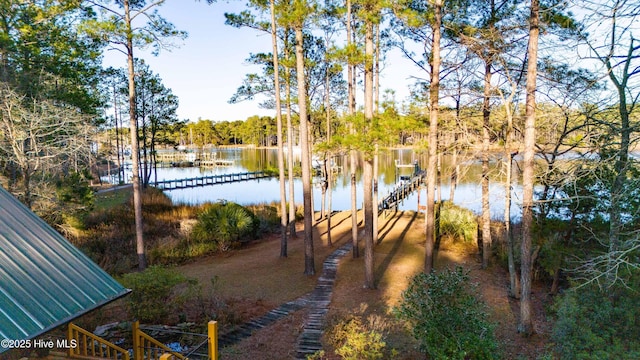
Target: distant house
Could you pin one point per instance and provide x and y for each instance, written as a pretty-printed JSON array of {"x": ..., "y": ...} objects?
[{"x": 44, "y": 280}]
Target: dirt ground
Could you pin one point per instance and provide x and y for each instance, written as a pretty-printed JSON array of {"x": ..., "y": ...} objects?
[{"x": 257, "y": 274}]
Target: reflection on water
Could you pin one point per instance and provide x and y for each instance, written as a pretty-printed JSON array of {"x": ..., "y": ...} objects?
[{"x": 468, "y": 192}]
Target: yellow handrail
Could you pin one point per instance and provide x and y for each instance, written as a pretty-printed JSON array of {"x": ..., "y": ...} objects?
[
  {"x": 87, "y": 345},
  {"x": 147, "y": 348},
  {"x": 212, "y": 335},
  {"x": 90, "y": 346}
]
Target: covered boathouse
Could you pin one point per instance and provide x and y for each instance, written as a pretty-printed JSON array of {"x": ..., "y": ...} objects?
[{"x": 45, "y": 281}]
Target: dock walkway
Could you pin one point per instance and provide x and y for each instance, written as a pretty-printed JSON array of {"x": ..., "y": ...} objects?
[
  {"x": 209, "y": 180},
  {"x": 402, "y": 191}
]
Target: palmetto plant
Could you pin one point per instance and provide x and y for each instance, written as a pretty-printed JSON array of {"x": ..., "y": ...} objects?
[
  {"x": 458, "y": 223},
  {"x": 225, "y": 224}
]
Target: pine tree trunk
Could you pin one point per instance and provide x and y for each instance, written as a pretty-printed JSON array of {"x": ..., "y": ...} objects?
[
  {"x": 117, "y": 129},
  {"x": 525, "y": 325},
  {"x": 486, "y": 211},
  {"x": 309, "y": 264},
  {"x": 133, "y": 126},
  {"x": 453, "y": 183},
  {"x": 329, "y": 210},
  {"x": 354, "y": 204},
  {"x": 323, "y": 189},
  {"x": 328, "y": 167},
  {"x": 369, "y": 281},
  {"x": 434, "y": 90},
  {"x": 375, "y": 194},
  {"x": 376, "y": 105},
  {"x": 514, "y": 283},
  {"x": 292, "y": 205},
  {"x": 352, "y": 162},
  {"x": 276, "y": 81}
]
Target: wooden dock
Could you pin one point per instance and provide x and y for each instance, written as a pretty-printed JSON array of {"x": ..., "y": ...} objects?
[
  {"x": 198, "y": 159},
  {"x": 213, "y": 163},
  {"x": 402, "y": 191},
  {"x": 209, "y": 180}
]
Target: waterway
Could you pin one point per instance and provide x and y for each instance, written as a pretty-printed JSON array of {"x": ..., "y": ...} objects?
[{"x": 467, "y": 194}]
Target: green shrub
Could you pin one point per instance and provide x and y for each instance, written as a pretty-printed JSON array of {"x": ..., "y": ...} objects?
[
  {"x": 64, "y": 201},
  {"x": 157, "y": 293},
  {"x": 446, "y": 317},
  {"x": 74, "y": 189},
  {"x": 593, "y": 323},
  {"x": 358, "y": 337},
  {"x": 225, "y": 224},
  {"x": 458, "y": 223},
  {"x": 357, "y": 342}
]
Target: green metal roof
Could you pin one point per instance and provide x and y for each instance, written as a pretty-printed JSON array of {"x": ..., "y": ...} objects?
[{"x": 44, "y": 280}]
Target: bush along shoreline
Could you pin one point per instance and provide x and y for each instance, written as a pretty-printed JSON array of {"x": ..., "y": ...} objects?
[{"x": 174, "y": 234}]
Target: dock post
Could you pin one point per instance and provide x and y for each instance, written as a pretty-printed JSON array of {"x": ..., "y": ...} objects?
[{"x": 212, "y": 333}]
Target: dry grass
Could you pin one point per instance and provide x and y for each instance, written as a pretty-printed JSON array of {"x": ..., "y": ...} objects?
[{"x": 258, "y": 272}]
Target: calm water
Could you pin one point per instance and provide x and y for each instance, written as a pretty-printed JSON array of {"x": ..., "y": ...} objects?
[{"x": 468, "y": 193}]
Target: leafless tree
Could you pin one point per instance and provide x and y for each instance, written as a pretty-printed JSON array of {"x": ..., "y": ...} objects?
[
  {"x": 610, "y": 36},
  {"x": 40, "y": 139}
]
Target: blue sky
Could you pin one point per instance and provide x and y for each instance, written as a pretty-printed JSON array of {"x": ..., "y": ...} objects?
[{"x": 208, "y": 66}]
